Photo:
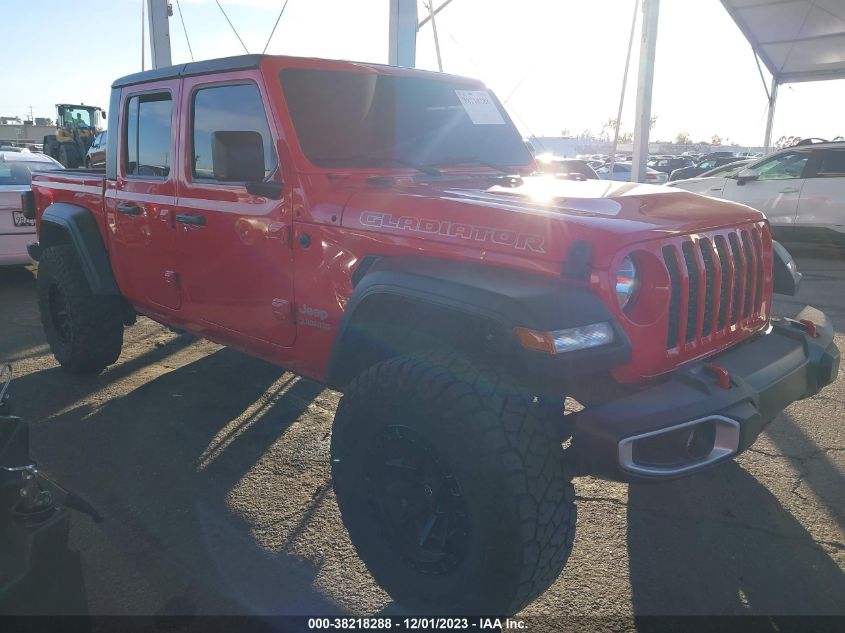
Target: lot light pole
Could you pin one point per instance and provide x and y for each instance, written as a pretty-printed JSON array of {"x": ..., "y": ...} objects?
[{"x": 645, "y": 80}]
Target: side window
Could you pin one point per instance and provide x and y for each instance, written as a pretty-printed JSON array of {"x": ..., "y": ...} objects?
[
  {"x": 832, "y": 165},
  {"x": 147, "y": 140},
  {"x": 228, "y": 108},
  {"x": 708, "y": 164},
  {"x": 784, "y": 166}
]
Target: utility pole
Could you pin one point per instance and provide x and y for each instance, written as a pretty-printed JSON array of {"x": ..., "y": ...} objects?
[
  {"x": 159, "y": 12},
  {"x": 645, "y": 81},
  {"x": 143, "y": 39}
]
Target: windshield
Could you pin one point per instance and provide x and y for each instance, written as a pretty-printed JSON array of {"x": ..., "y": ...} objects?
[
  {"x": 14, "y": 171},
  {"x": 78, "y": 117},
  {"x": 354, "y": 119}
]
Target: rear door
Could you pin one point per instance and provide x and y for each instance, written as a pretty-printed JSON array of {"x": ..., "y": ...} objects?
[
  {"x": 777, "y": 190},
  {"x": 140, "y": 207},
  {"x": 236, "y": 260},
  {"x": 822, "y": 202}
]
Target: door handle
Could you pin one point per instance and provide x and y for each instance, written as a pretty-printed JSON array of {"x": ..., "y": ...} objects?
[
  {"x": 788, "y": 190},
  {"x": 715, "y": 188},
  {"x": 191, "y": 219},
  {"x": 129, "y": 209}
]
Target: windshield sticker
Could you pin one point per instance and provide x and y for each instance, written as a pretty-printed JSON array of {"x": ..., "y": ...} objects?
[{"x": 480, "y": 107}]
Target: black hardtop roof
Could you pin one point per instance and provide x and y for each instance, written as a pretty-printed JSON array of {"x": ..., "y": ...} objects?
[
  {"x": 248, "y": 62},
  {"x": 238, "y": 62}
]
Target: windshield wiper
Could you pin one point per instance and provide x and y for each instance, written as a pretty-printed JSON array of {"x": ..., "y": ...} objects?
[{"x": 377, "y": 158}]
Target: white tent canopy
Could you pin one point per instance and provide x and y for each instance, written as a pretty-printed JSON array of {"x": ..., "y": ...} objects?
[{"x": 797, "y": 40}]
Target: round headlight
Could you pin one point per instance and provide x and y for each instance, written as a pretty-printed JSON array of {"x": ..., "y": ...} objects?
[{"x": 626, "y": 282}]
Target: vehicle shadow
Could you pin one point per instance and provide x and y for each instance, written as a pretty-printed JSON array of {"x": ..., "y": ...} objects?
[
  {"x": 36, "y": 398},
  {"x": 719, "y": 543},
  {"x": 161, "y": 464},
  {"x": 18, "y": 307}
]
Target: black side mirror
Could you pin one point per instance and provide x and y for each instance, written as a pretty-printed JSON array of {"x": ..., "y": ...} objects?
[
  {"x": 746, "y": 175},
  {"x": 104, "y": 115},
  {"x": 237, "y": 156}
]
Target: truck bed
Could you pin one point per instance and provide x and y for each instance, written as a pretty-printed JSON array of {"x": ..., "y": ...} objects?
[{"x": 80, "y": 187}]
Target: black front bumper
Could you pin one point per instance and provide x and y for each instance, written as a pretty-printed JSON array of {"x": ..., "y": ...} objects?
[{"x": 648, "y": 435}]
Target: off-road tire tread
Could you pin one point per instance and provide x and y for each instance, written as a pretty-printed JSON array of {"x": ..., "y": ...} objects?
[
  {"x": 497, "y": 412},
  {"x": 96, "y": 320}
]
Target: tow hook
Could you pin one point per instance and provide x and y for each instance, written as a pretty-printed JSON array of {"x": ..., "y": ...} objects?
[
  {"x": 722, "y": 375},
  {"x": 811, "y": 328}
]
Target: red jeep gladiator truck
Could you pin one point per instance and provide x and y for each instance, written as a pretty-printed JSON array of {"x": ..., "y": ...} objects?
[{"x": 378, "y": 229}]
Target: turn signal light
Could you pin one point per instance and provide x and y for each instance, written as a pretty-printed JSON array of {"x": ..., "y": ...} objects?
[{"x": 568, "y": 340}]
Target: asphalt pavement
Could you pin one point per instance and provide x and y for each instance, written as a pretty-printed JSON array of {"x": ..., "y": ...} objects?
[{"x": 211, "y": 470}]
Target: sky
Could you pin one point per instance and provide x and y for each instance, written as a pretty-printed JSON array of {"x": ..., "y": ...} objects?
[{"x": 557, "y": 64}]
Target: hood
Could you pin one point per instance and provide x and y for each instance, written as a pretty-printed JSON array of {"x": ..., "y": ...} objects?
[{"x": 541, "y": 217}]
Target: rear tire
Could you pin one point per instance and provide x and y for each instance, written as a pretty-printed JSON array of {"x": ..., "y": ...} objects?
[
  {"x": 84, "y": 330},
  {"x": 451, "y": 486}
]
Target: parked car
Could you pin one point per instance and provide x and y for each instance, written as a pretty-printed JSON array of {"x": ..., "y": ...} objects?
[
  {"x": 801, "y": 190},
  {"x": 668, "y": 165},
  {"x": 454, "y": 303},
  {"x": 710, "y": 181},
  {"x": 556, "y": 165},
  {"x": 16, "y": 230},
  {"x": 622, "y": 171},
  {"x": 699, "y": 168},
  {"x": 96, "y": 156}
]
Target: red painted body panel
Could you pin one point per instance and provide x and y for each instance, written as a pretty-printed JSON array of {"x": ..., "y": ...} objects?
[{"x": 273, "y": 278}]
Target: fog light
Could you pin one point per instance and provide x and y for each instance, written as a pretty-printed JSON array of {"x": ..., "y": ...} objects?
[{"x": 568, "y": 340}]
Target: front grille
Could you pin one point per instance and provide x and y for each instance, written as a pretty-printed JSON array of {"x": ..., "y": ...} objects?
[{"x": 716, "y": 283}]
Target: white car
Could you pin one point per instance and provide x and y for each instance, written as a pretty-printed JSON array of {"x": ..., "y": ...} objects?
[
  {"x": 712, "y": 180},
  {"x": 801, "y": 190},
  {"x": 16, "y": 231},
  {"x": 622, "y": 171}
]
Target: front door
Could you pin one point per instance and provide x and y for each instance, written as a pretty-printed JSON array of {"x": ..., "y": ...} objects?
[
  {"x": 140, "y": 205},
  {"x": 822, "y": 203},
  {"x": 236, "y": 260},
  {"x": 778, "y": 188}
]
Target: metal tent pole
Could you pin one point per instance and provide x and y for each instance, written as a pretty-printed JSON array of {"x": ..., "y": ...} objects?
[
  {"x": 645, "y": 81},
  {"x": 402, "y": 46},
  {"x": 624, "y": 85},
  {"x": 159, "y": 12},
  {"x": 773, "y": 100}
]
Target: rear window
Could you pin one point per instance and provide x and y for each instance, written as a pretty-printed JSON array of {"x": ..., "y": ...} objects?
[
  {"x": 833, "y": 163},
  {"x": 147, "y": 152},
  {"x": 19, "y": 172}
]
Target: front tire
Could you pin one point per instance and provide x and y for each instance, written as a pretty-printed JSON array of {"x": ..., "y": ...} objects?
[
  {"x": 84, "y": 330},
  {"x": 451, "y": 486},
  {"x": 69, "y": 155}
]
